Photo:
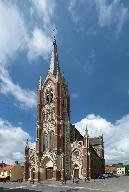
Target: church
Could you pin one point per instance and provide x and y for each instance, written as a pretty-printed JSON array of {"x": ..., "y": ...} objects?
[{"x": 61, "y": 152}]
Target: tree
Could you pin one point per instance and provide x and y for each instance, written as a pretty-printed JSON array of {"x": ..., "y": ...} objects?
[{"x": 126, "y": 168}]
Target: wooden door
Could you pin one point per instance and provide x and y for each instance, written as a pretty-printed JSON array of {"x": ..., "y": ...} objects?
[
  {"x": 76, "y": 173},
  {"x": 49, "y": 173}
]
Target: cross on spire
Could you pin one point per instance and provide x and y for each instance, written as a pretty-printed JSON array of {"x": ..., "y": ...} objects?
[{"x": 54, "y": 32}]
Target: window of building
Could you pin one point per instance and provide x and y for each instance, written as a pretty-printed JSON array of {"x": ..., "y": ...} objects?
[
  {"x": 47, "y": 98},
  {"x": 47, "y": 141},
  {"x": 51, "y": 97}
]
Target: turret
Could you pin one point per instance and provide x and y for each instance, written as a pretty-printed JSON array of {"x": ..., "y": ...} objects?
[
  {"x": 86, "y": 138},
  {"x": 86, "y": 155},
  {"x": 39, "y": 109},
  {"x": 26, "y": 165},
  {"x": 26, "y": 148}
]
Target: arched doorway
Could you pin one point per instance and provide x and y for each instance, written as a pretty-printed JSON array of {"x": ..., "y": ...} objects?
[
  {"x": 49, "y": 169},
  {"x": 47, "y": 164},
  {"x": 76, "y": 171},
  {"x": 33, "y": 174}
]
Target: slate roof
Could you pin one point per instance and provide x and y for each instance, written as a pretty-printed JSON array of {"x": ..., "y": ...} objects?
[
  {"x": 75, "y": 135},
  {"x": 96, "y": 141}
]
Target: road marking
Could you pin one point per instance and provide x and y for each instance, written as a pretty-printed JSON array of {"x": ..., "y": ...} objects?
[
  {"x": 53, "y": 185},
  {"x": 79, "y": 187},
  {"x": 33, "y": 185},
  {"x": 18, "y": 187},
  {"x": 92, "y": 189}
]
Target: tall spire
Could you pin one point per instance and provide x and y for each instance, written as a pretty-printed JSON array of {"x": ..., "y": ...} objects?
[
  {"x": 27, "y": 143},
  {"x": 26, "y": 147},
  {"x": 54, "y": 65},
  {"x": 86, "y": 131}
]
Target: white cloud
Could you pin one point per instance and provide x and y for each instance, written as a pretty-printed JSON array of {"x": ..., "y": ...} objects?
[
  {"x": 111, "y": 14},
  {"x": 12, "y": 31},
  {"x": 72, "y": 10},
  {"x": 26, "y": 98},
  {"x": 108, "y": 14},
  {"x": 45, "y": 9},
  {"x": 12, "y": 142},
  {"x": 40, "y": 44},
  {"x": 15, "y": 36},
  {"x": 115, "y": 135}
]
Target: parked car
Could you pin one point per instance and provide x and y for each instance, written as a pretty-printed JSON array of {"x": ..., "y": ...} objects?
[
  {"x": 110, "y": 174},
  {"x": 106, "y": 176},
  {"x": 100, "y": 176}
]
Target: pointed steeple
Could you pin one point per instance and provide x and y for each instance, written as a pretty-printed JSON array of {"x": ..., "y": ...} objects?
[
  {"x": 54, "y": 65},
  {"x": 86, "y": 132},
  {"x": 27, "y": 143},
  {"x": 26, "y": 147},
  {"x": 86, "y": 138}
]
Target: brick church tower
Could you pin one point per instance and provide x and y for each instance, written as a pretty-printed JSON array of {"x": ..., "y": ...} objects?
[{"x": 52, "y": 153}]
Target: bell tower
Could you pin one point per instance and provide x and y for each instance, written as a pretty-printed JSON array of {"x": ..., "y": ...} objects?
[{"x": 53, "y": 121}]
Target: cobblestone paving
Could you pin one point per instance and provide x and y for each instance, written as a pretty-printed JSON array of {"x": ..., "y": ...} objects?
[{"x": 120, "y": 184}]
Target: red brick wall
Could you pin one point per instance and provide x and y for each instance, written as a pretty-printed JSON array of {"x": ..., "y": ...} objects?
[{"x": 85, "y": 163}]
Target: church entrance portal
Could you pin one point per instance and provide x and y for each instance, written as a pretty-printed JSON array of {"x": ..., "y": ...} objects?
[
  {"x": 32, "y": 174},
  {"x": 76, "y": 173},
  {"x": 49, "y": 173}
]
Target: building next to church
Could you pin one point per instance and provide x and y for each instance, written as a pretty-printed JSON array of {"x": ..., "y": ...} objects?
[
  {"x": 13, "y": 172},
  {"x": 61, "y": 151}
]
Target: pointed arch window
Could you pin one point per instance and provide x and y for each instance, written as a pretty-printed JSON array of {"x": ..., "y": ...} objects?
[
  {"x": 47, "y": 141},
  {"x": 47, "y": 98}
]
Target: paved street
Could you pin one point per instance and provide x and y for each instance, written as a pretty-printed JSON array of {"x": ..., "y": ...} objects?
[{"x": 120, "y": 184}]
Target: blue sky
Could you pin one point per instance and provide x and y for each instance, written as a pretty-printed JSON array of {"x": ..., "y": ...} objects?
[{"x": 93, "y": 47}]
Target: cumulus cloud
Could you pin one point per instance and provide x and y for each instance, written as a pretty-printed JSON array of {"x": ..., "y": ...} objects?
[
  {"x": 45, "y": 9},
  {"x": 12, "y": 142},
  {"x": 26, "y": 98},
  {"x": 15, "y": 37},
  {"x": 115, "y": 135},
  {"x": 12, "y": 31},
  {"x": 39, "y": 44}
]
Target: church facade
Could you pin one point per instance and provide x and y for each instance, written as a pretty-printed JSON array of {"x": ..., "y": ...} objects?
[{"x": 61, "y": 151}]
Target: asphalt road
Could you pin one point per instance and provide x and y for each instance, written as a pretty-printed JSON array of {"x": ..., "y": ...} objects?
[{"x": 120, "y": 184}]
